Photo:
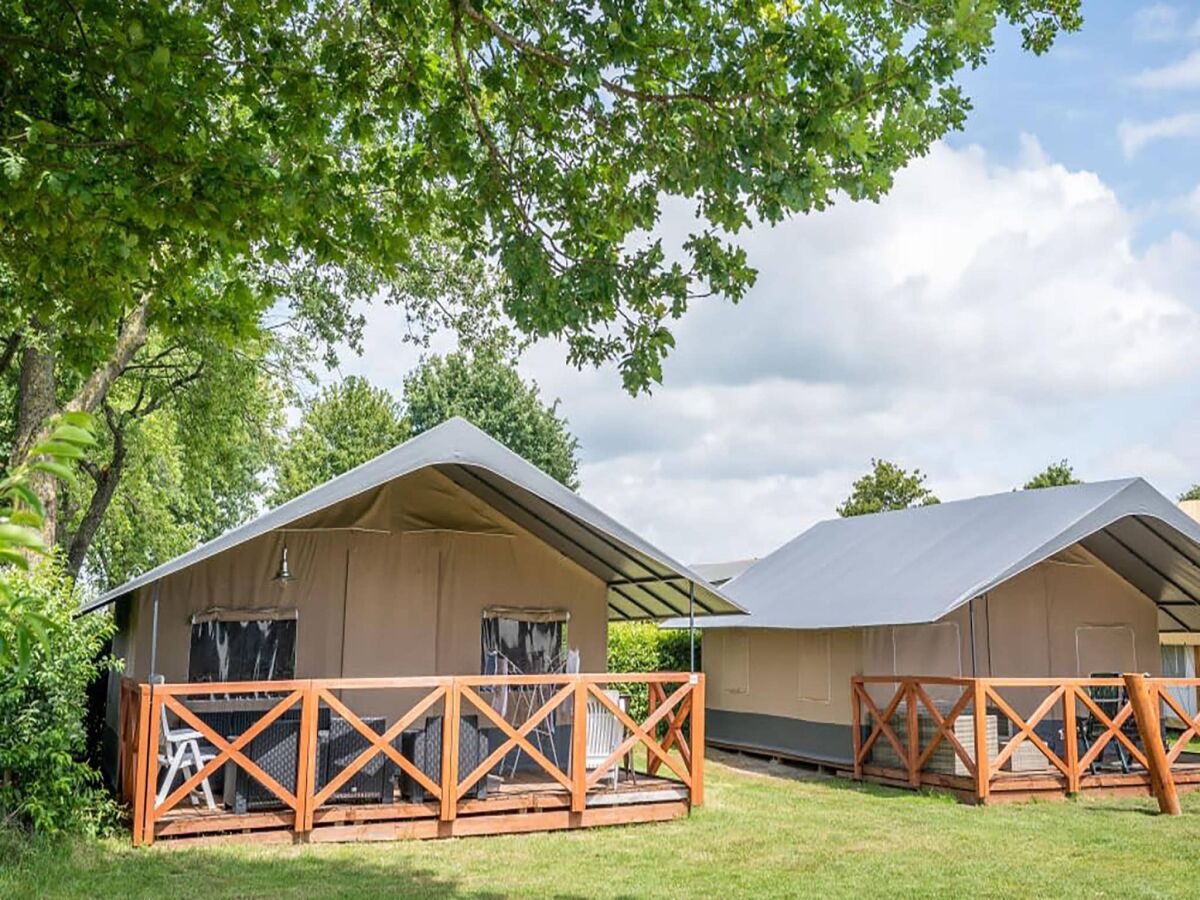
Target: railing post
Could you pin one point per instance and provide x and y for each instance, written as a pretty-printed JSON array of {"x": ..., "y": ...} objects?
[
  {"x": 914, "y": 733},
  {"x": 856, "y": 724},
  {"x": 696, "y": 739},
  {"x": 983, "y": 766},
  {"x": 137, "y": 771},
  {"x": 579, "y": 746},
  {"x": 1071, "y": 739},
  {"x": 150, "y": 755},
  {"x": 449, "y": 786},
  {"x": 1145, "y": 712},
  {"x": 307, "y": 761}
]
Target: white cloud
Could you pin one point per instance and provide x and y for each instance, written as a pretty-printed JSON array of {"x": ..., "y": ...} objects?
[
  {"x": 1136, "y": 135},
  {"x": 1158, "y": 22},
  {"x": 1184, "y": 74},
  {"x": 980, "y": 322}
]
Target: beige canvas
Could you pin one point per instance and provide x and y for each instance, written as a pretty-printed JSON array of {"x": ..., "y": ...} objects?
[
  {"x": 390, "y": 584},
  {"x": 1068, "y": 616}
]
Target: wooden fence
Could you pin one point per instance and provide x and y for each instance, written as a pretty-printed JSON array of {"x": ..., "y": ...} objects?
[
  {"x": 1063, "y": 743},
  {"x": 676, "y": 702}
]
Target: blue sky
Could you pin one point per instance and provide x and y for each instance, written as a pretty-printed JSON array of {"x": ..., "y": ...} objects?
[
  {"x": 1076, "y": 98},
  {"x": 1025, "y": 293}
]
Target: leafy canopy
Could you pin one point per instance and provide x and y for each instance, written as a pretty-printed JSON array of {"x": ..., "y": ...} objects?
[
  {"x": 886, "y": 487},
  {"x": 348, "y": 423},
  {"x": 1056, "y": 474},
  {"x": 351, "y": 421},
  {"x": 486, "y": 390},
  {"x": 1193, "y": 493},
  {"x": 196, "y": 156}
]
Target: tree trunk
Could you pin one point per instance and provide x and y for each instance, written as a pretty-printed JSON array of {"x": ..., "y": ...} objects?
[
  {"x": 35, "y": 405},
  {"x": 106, "y": 479},
  {"x": 36, "y": 401}
]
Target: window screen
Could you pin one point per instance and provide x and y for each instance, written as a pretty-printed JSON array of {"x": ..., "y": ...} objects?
[
  {"x": 532, "y": 641},
  {"x": 250, "y": 650}
]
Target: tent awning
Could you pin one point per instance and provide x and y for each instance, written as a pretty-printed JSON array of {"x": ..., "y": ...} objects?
[{"x": 643, "y": 582}]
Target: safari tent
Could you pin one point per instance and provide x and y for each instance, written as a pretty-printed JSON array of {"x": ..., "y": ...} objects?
[
  {"x": 437, "y": 560},
  {"x": 1061, "y": 583}
]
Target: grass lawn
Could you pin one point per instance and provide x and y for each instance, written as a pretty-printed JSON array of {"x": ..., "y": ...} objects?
[{"x": 766, "y": 830}]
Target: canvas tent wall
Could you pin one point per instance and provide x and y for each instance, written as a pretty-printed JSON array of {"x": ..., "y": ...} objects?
[
  {"x": 1060, "y": 582},
  {"x": 394, "y": 564}
]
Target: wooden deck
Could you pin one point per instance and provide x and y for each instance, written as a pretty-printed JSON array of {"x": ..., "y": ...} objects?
[
  {"x": 549, "y": 797},
  {"x": 1078, "y": 760},
  {"x": 525, "y": 803}
]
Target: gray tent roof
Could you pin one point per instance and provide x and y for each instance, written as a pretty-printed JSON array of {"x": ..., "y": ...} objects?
[
  {"x": 916, "y": 565},
  {"x": 643, "y": 581}
]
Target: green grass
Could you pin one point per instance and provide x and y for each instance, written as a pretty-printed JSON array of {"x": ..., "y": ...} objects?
[{"x": 766, "y": 830}]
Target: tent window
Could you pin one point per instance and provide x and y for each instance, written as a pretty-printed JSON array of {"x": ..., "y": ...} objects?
[
  {"x": 1105, "y": 648},
  {"x": 532, "y": 641},
  {"x": 242, "y": 650},
  {"x": 815, "y": 656},
  {"x": 735, "y": 662}
]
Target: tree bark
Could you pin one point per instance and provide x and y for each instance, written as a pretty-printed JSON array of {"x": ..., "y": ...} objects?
[
  {"x": 130, "y": 339},
  {"x": 106, "y": 479},
  {"x": 35, "y": 405}
]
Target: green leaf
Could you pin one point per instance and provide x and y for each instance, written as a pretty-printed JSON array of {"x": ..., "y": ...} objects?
[
  {"x": 20, "y": 536},
  {"x": 54, "y": 468}
]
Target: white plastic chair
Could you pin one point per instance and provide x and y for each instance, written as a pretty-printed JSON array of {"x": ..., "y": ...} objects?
[
  {"x": 604, "y": 734},
  {"x": 180, "y": 752}
]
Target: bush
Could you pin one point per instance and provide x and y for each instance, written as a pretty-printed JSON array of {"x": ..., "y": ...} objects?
[
  {"x": 45, "y": 785},
  {"x": 644, "y": 647}
]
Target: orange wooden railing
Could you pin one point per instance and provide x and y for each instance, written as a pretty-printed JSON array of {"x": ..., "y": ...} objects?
[
  {"x": 1068, "y": 699},
  {"x": 676, "y": 699}
]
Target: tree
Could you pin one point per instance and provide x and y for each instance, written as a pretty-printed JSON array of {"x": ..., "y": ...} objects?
[
  {"x": 1054, "y": 475},
  {"x": 190, "y": 168},
  {"x": 486, "y": 390},
  {"x": 170, "y": 476},
  {"x": 885, "y": 487},
  {"x": 343, "y": 426},
  {"x": 1192, "y": 493}
]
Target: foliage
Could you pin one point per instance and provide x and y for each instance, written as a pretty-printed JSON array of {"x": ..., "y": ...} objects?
[
  {"x": 1054, "y": 475},
  {"x": 346, "y": 424},
  {"x": 184, "y": 155},
  {"x": 487, "y": 390},
  {"x": 190, "y": 468},
  {"x": 44, "y": 783},
  {"x": 887, "y": 486},
  {"x": 644, "y": 647},
  {"x": 21, "y": 517},
  {"x": 1192, "y": 493}
]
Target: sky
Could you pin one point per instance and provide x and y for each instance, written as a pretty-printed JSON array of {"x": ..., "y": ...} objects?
[{"x": 1026, "y": 293}]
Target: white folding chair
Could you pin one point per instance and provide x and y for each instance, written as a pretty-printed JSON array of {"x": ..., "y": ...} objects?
[
  {"x": 604, "y": 734},
  {"x": 179, "y": 751}
]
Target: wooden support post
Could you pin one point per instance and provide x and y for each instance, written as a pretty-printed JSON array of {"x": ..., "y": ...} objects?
[
  {"x": 1071, "y": 739},
  {"x": 913, "y": 744},
  {"x": 449, "y": 786},
  {"x": 150, "y": 766},
  {"x": 138, "y": 773},
  {"x": 1143, "y": 697},
  {"x": 983, "y": 766},
  {"x": 306, "y": 773},
  {"x": 579, "y": 746},
  {"x": 856, "y": 725},
  {"x": 696, "y": 740}
]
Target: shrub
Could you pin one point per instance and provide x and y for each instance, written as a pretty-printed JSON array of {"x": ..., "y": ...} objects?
[
  {"x": 45, "y": 785},
  {"x": 644, "y": 647}
]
